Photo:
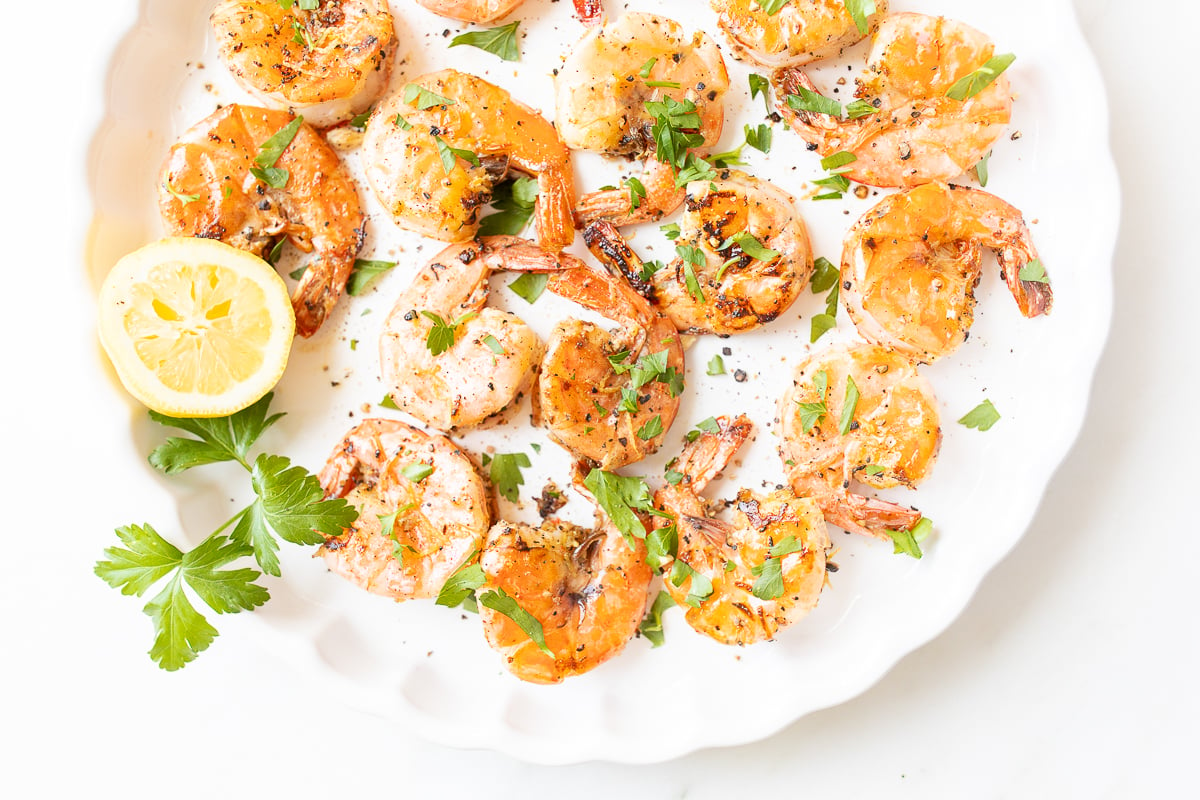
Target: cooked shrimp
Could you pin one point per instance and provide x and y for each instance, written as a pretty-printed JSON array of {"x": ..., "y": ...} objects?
[
  {"x": 741, "y": 608},
  {"x": 609, "y": 396},
  {"x": 587, "y": 587},
  {"x": 494, "y": 354},
  {"x": 477, "y": 11},
  {"x": 411, "y": 137},
  {"x": 793, "y": 35},
  {"x": 910, "y": 266},
  {"x": 918, "y": 134},
  {"x": 207, "y": 190},
  {"x": 327, "y": 63},
  {"x": 601, "y": 100},
  {"x": 733, "y": 291},
  {"x": 440, "y": 505},
  {"x": 892, "y": 435}
]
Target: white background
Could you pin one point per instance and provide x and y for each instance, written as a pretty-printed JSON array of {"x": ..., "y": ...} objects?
[{"x": 1071, "y": 674}]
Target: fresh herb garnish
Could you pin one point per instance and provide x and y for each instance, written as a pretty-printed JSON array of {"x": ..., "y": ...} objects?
[
  {"x": 506, "y": 474},
  {"x": 759, "y": 138},
  {"x": 860, "y": 10},
  {"x": 981, "y": 169},
  {"x": 760, "y": 85},
  {"x": 529, "y": 286},
  {"x": 183, "y": 198},
  {"x": 450, "y": 155},
  {"x": 701, "y": 587},
  {"x": 460, "y": 587},
  {"x": 849, "y": 406},
  {"x": 982, "y": 417},
  {"x": 709, "y": 425},
  {"x": 811, "y": 414},
  {"x": 288, "y": 504},
  {"x": 716, "y": 365},
  {"x": 441, "y": 335},
  {"x": 909, "y": 541},
  {"x": 637, "y": 192},
  {"x": 771, "y": 6},
  {"x": 825, "y": 276},
  {"x": 364, "y": 274},
  {"x": 359, "y": 121},
  {"x": 514, "y": 202},
  {"x": 769, "y": 585},
  {"x": 1034, "y": 272},
  {"x": 417, "y": 471},
  {"x": 270, "y": 151},
  {"x": 973, "y": 83},
  {"x": 500, "y": 42},
  {"x": 621, "y": 497},
  {"x": 653, "y": 427},
  {"x": 501, "y": 602},
  {"x": 422, "y": 98},
  {"x": 652, "y": 627}
]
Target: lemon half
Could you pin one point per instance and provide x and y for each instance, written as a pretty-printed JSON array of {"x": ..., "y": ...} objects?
[{"x": 194, "y": 327}]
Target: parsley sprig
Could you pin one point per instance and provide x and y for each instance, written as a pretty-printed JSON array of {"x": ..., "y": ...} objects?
[{"x": 288, "y": 505}]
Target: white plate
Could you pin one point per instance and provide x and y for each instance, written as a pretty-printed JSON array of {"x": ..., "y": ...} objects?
[{"x": 428, "y": 667}]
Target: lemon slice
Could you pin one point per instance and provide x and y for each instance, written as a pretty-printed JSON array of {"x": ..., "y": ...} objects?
[{"x": 194, "y": 327}]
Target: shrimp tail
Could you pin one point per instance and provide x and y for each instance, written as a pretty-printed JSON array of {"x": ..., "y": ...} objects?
[
  {"x": 811, "y": 126},
  {"x": 589, "y": 12},
  {"x": 323, "y": 283},
  {"x": 617, "y": 206},
  {"x": 609, "y": 247},
  {"x": 1034, "y": 298},
  {"x": 521, "y": 255},
  {"x": 868, "y": 516},
  {"x": 708, "y": 454}
]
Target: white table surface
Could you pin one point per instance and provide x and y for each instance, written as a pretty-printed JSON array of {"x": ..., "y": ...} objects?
[{"x": 1073, "y": 672}]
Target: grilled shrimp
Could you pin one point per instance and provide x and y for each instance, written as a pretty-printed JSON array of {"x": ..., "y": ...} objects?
[
  {"x": 910, "y": 266},
  {"x": 796, "y": 34},
  {"x": 328, "y": 63},
  {"x": 892, "y": 434},
  {"x": 484, "y": 11},
  {"x": 587, "y": 587},
  {"x": 207, "y": 190},
  {"x": 744, "y": 605},
  {"x": 602, "y": 97},
  {"x": 493, "y": 355},
  {"x": 478, "y": 11},
  {"x": 755, "y": 252},
  {"x": 427, "y": 187},
  {"x": 423, "y": 509},
  {"x": 609, "y": 396},
  {"x": 918, "y": 134}
]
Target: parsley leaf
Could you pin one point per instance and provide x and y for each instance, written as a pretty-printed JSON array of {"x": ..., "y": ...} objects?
[
  {"x": 692, "y": 257},
  {"x": 769, "y": 585},
  {"x": 982, "y": 417},
  {"x": 808, "y": 100},
  {"x": 441, "y": 335},
  {"x": 675, "y": 130},
  {"x": 637, "y": 192},
  {"x": 701, "y": 587},
  {"x": 1034, "y": 272},
  {"x": 860, "y": 108},
  {"x": 811, "y": 414},
  {"x": 364, "y": 274},
  {"x": 671, "y": 231},
  {"x": 825, "y": 276},
  {"x": 221, "y": 438},
  {"x": 501, "y": 602},
  {"x": 975, "y": 82},
  {"x": 416, "y": 472},
  {"x": 772, "y": 7},
  {"x": 621, "y": 497},
  {"x": 270, "y": 150},
  {"x": 838, "y": 160},
  {"x": 183, "y": 198},
  {"x": 653, "y": 427},
  {"x": 759, "y": 138},
  {"x": 450, "y": 155},
  {"x": 652, "y": 627},
  {"x": 662, "y": 544},
  {"x": 981, "y": 169},
  {"x": 181, "y": 632},
  {"x": 506, "y": 473},
  {"x": 289, "y": 505},
  {"x": 501, "y": 41},
  {"x": 716, "y": 365},
  {"x": 422, "y": 98},
  {"x": 462, "y": 584},
  {"x": 859, "y": 11},
  {"x": 909, "y": 541},
  {"x": 849, "y": 406},
  {"x": 709, "y": 425},
  {"x": 529, "y": 286},
  {"x": 514, "y": 202},
  {"x": 760, "y": 85}
]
